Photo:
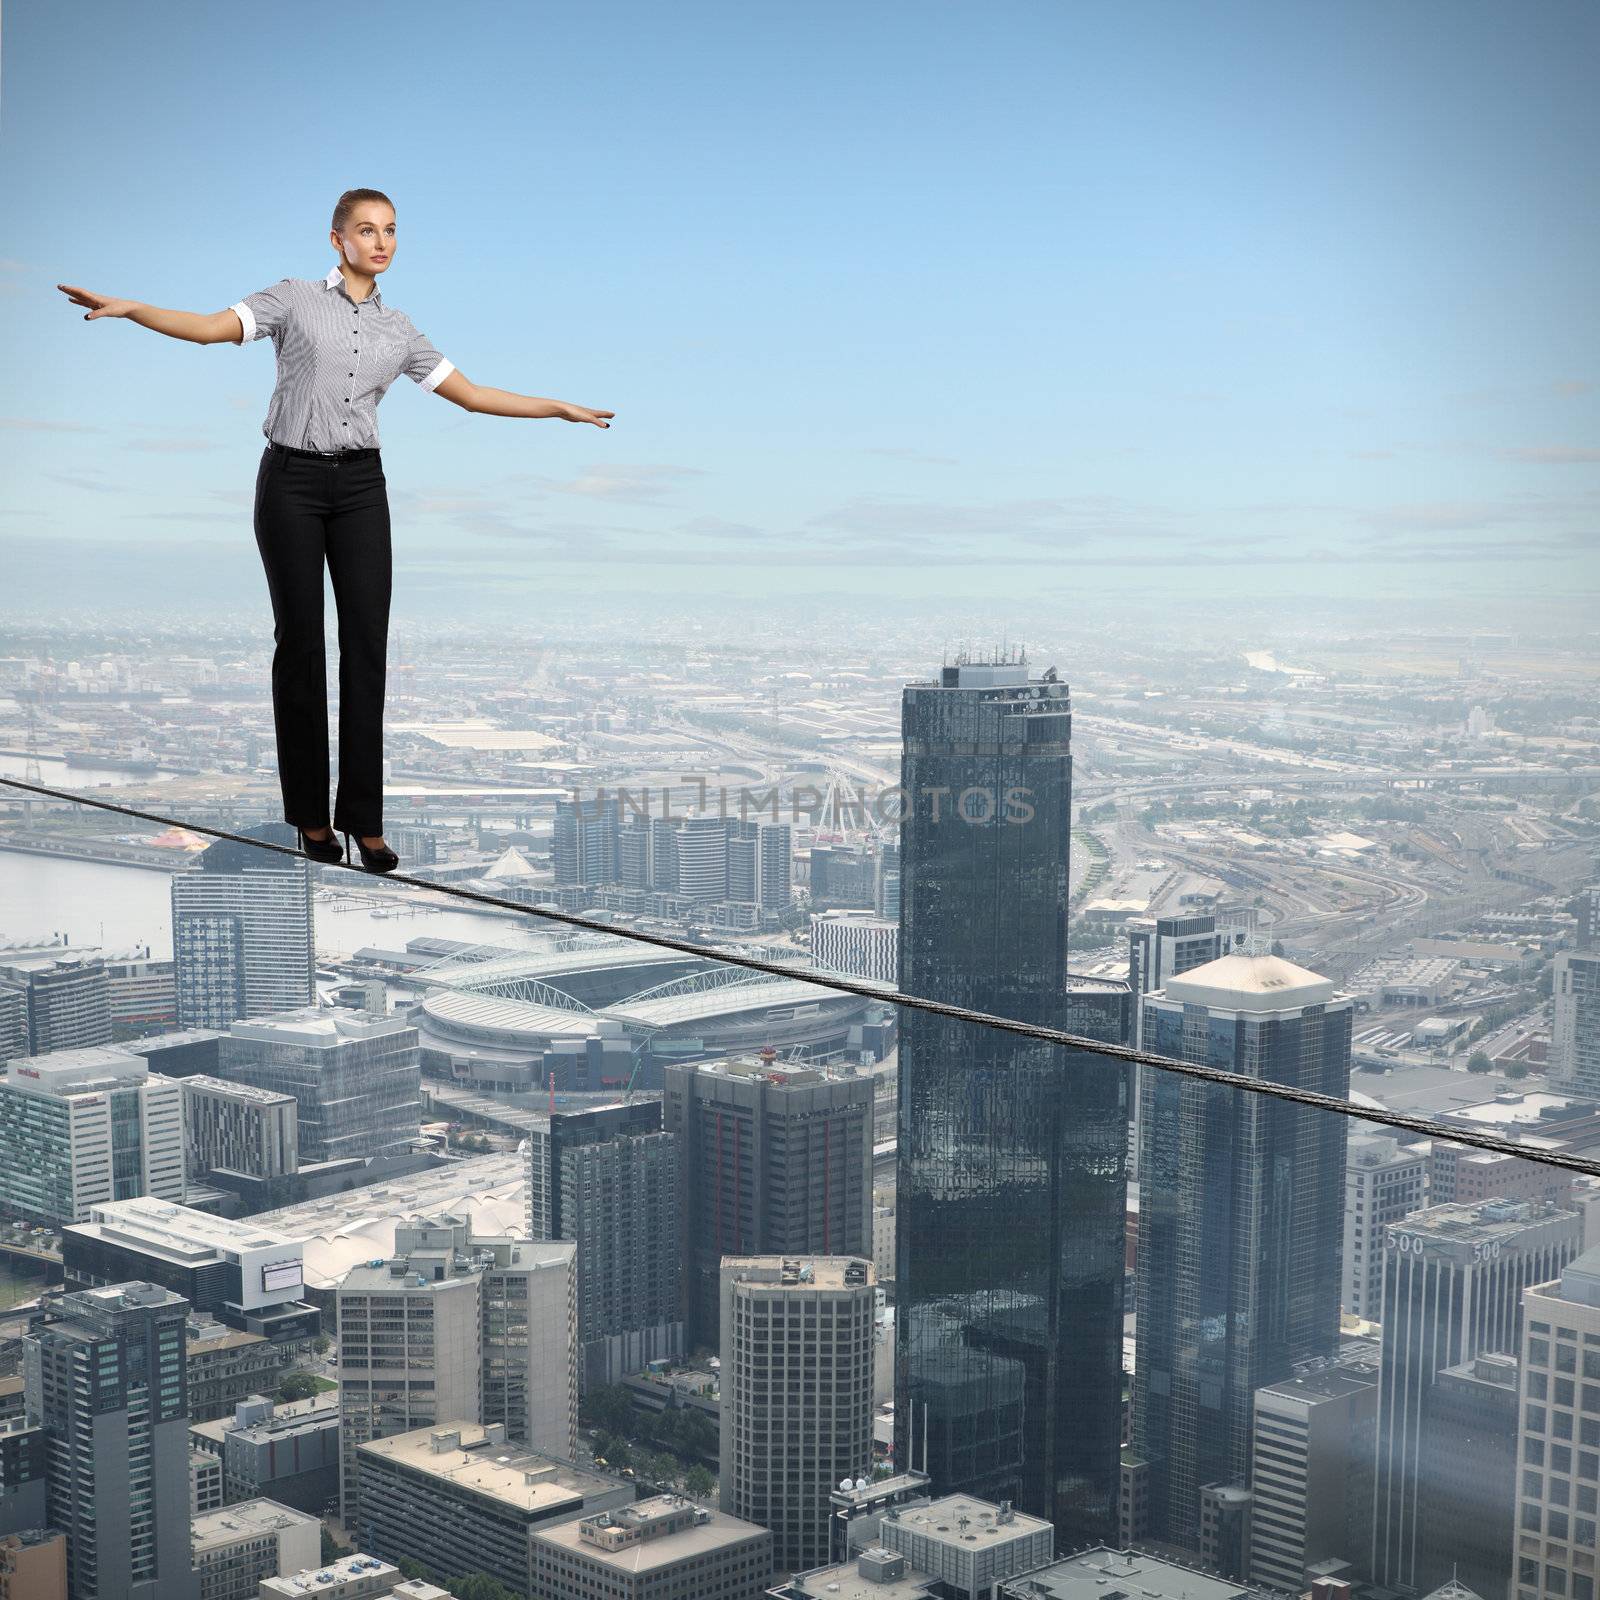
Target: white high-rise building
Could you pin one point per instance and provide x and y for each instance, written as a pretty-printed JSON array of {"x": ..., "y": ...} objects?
[
  {"x": 1575, "y": 1036},
  {"x": 1383, "y": 1183},
  {"x": 1557, "y": 1515},
  {"x": 797, "y": 1369},
  {"x": 856, "y": 942},
  {"x": 79, "y": 1128},
  {"x": 456, "y": 1327}
]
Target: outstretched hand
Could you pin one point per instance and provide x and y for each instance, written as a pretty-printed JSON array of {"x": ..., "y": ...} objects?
[
  {"x": 572, "y": 413},
  {"x": 104, "y": 305}
]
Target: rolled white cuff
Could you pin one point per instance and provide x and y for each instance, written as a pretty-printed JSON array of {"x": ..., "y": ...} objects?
[
  {"x": 438, "y": 375},
  {"x": 246, "y": 321}
]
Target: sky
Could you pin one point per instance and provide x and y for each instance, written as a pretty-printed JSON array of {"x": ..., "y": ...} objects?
[{"x": 1013, "y": 302}]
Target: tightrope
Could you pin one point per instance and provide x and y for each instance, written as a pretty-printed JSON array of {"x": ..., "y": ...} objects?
[{"x": 1424, "y": 1126}]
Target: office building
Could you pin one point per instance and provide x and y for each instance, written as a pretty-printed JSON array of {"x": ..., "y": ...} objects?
[
  {"x": 1241, "y": 1218},
  {"x": 583, "y": 843},
  {"x": 1575, "y": 1034},
  {"x": 227, "y": 1365},
  {"x": 857, "y": 942},
  {"x": 455, "y": 1326},
  {"x": 236, "y": 1127},
  {"x": 33, "y": 1565},
  {"x": 105, "y": 1376},
  {"x": 1452, "y": 1289},
  {"x": 1556, "y": 1514},
  {"x": 356, "y": 1079},
  {"x": 242, "y": 931},
  {"x": 24, "y": 1448},
  {"x": 1384, "y": 1182},
  {"x": 65, "y": 1000},
  {"x": 967, "y": 1545},
  {"x": 1469, "y": 1474},
  {"x": 1461, "y": 1175},
  {"x": 352, "y": 1577},
  {"x": 1010, "y": 1182},
  {"x": 13, "y": 1021},
  {"x": 463, "y": 1498},
  {"x": 842, "y": 878},
  {"x": 1313, "y": 1437},
  {"x": 796, "y": 1394},
  {"x": 234, "y": 1548},
  {"x": 663, "y": 1548},
  {"x": 772, "y": 1160},
  {"x": 886, "y": 880},
  {"x": 82, "y": 1127},
  {"x": 287, "y": 1452},
  {"x": 205, "y": 1483},
  {"x": 1225, "y": 1517},
  {"x": 242, "y": 1274},
  {"x": 607, "y": 1178},
  {"x": 1164, "y": 947}
]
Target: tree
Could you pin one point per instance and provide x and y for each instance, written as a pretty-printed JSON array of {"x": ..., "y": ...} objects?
[
  {"x": 700, "y": 1484},
  {"x": 332, "y": 1550},
  {"x": 1517, "y": 1069},
  {"x": 322, "y": 1344},
  {"x": 1479, "y": 1061},
  {"x": 297, "y": 1386}
]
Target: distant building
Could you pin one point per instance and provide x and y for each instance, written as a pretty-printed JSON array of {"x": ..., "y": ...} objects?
[
  {"x": 205, "y": 1483},
  {"x": 1575, "y": 1035},
  {"x": 1098, "y": 1573},
  {"x": 772, "y": 1160},
  {"x": 1241, "y": 1218},
  {"x": 457, "y": 1326},
  {"x": 66, "y": 1000},
  {"x": 664, "y": 1548},
  {"x": 1311, "y": 1448},
  {"x": 33, "y": 1565},
  {"x": 356, "y": 1079},
  {"x": 856, "y": 942},
  {"x": 1469, "y": 1473},
  {"x": 607, "y": 1178},
  {"x": 1452, "y": 1289},
  {"x": 796, "y": 1394},
  {"x": 82, "y": 1127},
  {"x": 240, "y": 1128},
  {"x": 1383, "y": 1183},
  {"x": 1555, "y": 1502},
  {"x": 242, "y": 936},
  {"x": 461, "y": 1498},
  {"x": 226, "y": 1365},
  {"x": 24, "y": 1448},
  {"x": 106, "y": 1379},
  {"x": 237, "y": 1546},
  {"x": 243, "y": 1274},
  {"x": 287, "y": 1452},
  {"x": 1461, "y": 1175}
]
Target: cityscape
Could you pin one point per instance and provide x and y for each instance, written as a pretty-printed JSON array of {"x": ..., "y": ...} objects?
[
  {"x": 800, "y": 802},
  {"x": 363, "y": 1240}
]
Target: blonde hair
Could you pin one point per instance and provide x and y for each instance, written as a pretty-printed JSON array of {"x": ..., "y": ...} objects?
[{"x": 350, "y": 199}]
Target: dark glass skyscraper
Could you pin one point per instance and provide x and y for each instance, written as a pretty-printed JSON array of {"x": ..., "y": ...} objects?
[
  {"x": 1011, "y": 1188},
  {"x": 1241, "y": 1217}
]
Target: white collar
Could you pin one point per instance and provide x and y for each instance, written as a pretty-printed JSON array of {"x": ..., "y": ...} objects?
[{"x": 336, "y": 277}]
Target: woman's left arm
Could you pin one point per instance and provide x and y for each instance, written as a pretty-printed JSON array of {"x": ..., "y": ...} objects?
[{"x": 503, "y": 403}]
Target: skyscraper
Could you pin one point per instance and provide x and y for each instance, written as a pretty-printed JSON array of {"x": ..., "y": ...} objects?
[
  {"x": 1241, "y": 1217},
  {"x": 607, "y": 1178},
  {"x": 104, "y": 1373},
  {"x": 242, "y": 932},
  {"x": 1011, "y": 1186},
  {"x": 796, "y": 1394},
  {"x": 1575, "y": 1035},
  {"x": 772, "y": 1160},
  {"x": 583, "y": 845},
  {"x": 1453, "y": 1278}
]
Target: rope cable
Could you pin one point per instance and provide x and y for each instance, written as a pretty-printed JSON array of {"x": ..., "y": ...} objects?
[{"x": 1424, "y": 1126}]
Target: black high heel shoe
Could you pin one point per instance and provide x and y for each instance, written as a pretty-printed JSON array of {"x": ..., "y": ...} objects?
[
  {"x": 384, "y": 860},
  {"x": 319, "y": 849}
]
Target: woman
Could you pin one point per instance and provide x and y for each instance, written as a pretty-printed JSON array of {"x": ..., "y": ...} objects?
[{"x": 321, "y": 496}]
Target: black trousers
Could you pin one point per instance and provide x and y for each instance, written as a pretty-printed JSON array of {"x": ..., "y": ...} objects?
[{"x": 308, "y": 511}]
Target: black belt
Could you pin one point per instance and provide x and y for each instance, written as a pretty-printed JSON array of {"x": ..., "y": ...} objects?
[{"x": 335, "y": 456}]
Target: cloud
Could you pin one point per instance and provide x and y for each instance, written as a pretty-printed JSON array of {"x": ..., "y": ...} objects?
[
  {"x": 1032, "y": 520},
  {"x": 49, "y": 425},
  {"x": 1551, "y": 454},
  {"x": 898, "y": 454},
  {"x": 636, "y": 482}
]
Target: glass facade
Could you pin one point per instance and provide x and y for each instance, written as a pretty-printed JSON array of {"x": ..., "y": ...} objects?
[{"x": 1011, "y": 1187}]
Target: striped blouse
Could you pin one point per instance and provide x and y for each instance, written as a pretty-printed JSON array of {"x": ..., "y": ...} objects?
[{"x": 321, "y": 332}]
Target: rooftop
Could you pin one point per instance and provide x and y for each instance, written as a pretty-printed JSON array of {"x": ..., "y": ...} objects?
[
  {"x": 236, "y": 1091},
  {"x": 963, "y": 1519},
  {"x": 710, "y": 1531},
  {"x": 1249, "y": 983},
  {"x": 248, "y": 1519},
  {"x": 1095, "y": 1574},
  {"x": 180, "y": 1233},
  {"x": 465, "y": 1457},
  {"x": 326, "y": 1580},
  {"x": 802, "y": 1272},
  {"x": 321, "y": 1027}
]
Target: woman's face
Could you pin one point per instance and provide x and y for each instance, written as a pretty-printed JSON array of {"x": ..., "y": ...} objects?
[{"x": 368, "y": 241}]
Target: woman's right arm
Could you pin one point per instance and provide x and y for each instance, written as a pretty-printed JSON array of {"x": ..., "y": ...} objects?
[{"x": 197, "y": 327}]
